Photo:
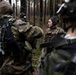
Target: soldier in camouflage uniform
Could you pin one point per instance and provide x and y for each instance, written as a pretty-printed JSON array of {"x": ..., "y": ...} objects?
[
  {"x": 62, "y": 59},
  {"x": 52, "y": 30},
  {"x": 18, "y": 43}
]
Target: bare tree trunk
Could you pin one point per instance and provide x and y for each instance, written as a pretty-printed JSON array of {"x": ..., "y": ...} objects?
[
  {"x": 51, "y": 8},
  {"x": 24, "y": 8},
  {"x": 37, "y": 7},
  {"x": 29, "y": 10},
  {"x": 14, "y": 8},
  {"x": 18, "y": 6},
  {"x": 45, "y": 12},
  {"x": 41, "y": 11},
  {"x": 34, "y": 12}
]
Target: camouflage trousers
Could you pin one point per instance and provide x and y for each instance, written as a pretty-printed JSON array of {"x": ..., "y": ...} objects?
[
  {"x": 54, "y": 63},
  {"x": 26, "y": 73},
  {"x": 8, "y": 68}
]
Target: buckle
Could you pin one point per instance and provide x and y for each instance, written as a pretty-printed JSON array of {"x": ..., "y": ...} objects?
[{"x": 69, "y": 41}]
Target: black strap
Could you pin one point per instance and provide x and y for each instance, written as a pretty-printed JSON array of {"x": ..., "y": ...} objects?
[
  {"x": 13, "y": 45},
  {"x": 64, "y": 42},
  {"x": 58, "y": 43},
  {"x": 3, "y": 25},
  {"x": 7, "y": 35}
]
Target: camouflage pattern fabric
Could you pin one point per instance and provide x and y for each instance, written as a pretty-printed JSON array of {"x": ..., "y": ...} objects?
[
  {"x": 55, "y": 30},
  {"x": 46, "y": 59},
  {"x": 32, "y": 31},
  {"x": 22, "y": 31},
  {"x": 50, "y": 33},
  {"x": 10, "y": 67},
  {"x": 50, "y": 64}
]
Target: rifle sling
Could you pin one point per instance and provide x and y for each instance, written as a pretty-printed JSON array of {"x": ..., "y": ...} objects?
[{"x": 56, "y": 44}]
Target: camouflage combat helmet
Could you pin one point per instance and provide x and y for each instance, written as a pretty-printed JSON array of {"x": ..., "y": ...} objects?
[{"x": 5, "y": 8}]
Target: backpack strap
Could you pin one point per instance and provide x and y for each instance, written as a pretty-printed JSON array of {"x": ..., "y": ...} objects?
[
  {"x": 65, "y": 42},
  {"x": 7, "y": 35},
  {"x": 58, "y": 43},
  {"x": 3, "y": 26}
]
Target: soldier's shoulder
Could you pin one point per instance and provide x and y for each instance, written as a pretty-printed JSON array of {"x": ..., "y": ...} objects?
[
  {"x": 60, "y": 29},
  {"x": 19, "y": 25},
  {"x": 18, "y": 22},
  {"x": 48, "y": 31},
  {"x": 38, "y": 28},
  {"x": 37, "y": 31}
]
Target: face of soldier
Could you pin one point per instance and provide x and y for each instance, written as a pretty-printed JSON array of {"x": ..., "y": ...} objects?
[{"x": 49, "y": 23}]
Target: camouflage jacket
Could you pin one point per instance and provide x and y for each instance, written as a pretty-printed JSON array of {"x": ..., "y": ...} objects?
[
  {"x": 49, "y": 35},
  {"x": 30, "y": 33},
  {"x": 26, "y": 37},
  {"x": 51, "y": 32}
]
